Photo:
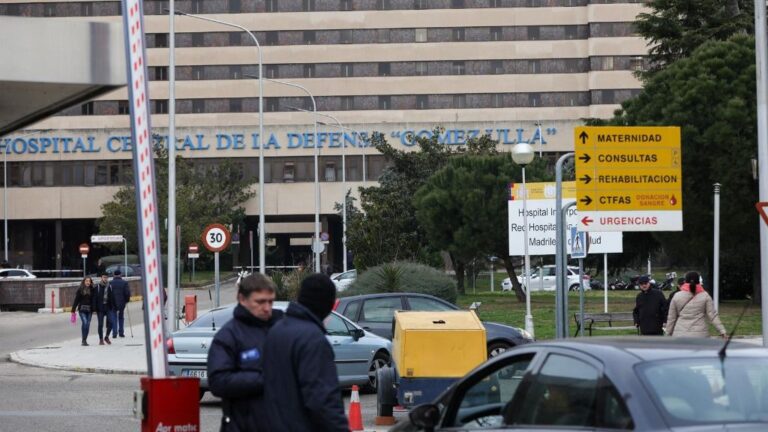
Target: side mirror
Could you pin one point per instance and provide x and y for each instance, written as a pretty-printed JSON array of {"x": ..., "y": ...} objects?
[
  {"x": 357, "y": 334},
  {"x": 425, "y": 417}
]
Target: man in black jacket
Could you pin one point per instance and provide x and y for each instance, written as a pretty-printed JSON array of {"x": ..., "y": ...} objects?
[
  {"x": 122, "y": 294},
  {"x": 105, "y": 308},
  {"x": 235, "y": 356},
  {"x": 301, "y": 386},
  {"x": 650, "y": 311}
]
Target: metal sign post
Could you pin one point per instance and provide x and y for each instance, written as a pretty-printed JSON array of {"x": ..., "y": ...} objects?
[
  {"x": 84, "y": 249},
  {"x": 216, "y": 281},
  {"x": 193, "y": 253},
  {"x": 250, "y": 246},
  {"x": 216, "y": 238},
  {"x": 579, "y": 249}
]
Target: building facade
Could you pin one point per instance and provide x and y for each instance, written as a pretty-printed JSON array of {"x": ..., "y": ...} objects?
[{"x": 518, "y": 70}]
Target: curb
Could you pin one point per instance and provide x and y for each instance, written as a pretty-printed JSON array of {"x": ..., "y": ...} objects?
[{"x": 16, "y": 358}]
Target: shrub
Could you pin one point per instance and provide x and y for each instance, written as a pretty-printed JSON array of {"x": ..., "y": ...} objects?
[
  {"x": 287, "y": 284},
  {"x": 404, "y": 277}
]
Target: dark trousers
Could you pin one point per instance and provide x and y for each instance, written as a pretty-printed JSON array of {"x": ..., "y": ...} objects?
[
  {"x": 652, "y": 333},
  {"x": 120, "y": 327},
  {"x": 110, "y": 319}
]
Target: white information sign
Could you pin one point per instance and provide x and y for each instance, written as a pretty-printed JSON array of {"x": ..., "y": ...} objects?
[
  {"x": 106, "y": 239},
  {"x": 542, "y": 233}
]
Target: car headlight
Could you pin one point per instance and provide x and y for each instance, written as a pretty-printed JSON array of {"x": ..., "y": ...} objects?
[{"x": 526, "y": 334}]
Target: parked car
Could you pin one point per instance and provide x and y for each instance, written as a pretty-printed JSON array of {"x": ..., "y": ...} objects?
[
  {"x": 130, "y": 270},
  {"x": 375, "y": 312},
  {"x": 16, "y": 274},
  {"x": 543, "y": 279},
  {"x": 640, "y": 384},
  {"x": 344, "y": 280},
  {"x": 358, "y": 353}
]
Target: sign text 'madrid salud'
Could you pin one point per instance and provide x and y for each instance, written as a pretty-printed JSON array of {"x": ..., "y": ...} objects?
[{"x": 54, "y": 144}]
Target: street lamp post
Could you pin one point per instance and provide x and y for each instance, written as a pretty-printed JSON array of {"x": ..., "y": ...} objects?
[
  {"x": 262, "y": 225},
  {"x": 343, "y": 180},
  {"x": 316, "y": 244},
  {"x": 523, "y": 154}
]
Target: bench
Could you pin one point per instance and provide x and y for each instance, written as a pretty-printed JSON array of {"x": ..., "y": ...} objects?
[{"x": 590, "y": 319}]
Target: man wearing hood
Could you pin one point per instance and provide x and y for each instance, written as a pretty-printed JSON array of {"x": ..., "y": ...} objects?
[
  {"x": 301, "y": 385},
  {"x": 236, "y": 355}
]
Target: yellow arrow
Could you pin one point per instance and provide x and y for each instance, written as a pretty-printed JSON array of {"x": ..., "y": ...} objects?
[{"x": 613, "y": 157}]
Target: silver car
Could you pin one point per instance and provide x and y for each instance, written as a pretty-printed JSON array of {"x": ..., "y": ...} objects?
[{"x": 358, "y": 353}]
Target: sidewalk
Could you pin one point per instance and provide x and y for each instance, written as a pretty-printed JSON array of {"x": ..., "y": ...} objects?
[{"x": 126, "y": 355}]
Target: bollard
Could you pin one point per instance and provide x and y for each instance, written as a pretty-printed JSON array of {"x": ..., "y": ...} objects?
[{"x": 53, "y": 296}]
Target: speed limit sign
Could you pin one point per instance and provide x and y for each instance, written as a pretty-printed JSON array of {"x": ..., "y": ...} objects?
[{"x": 216, "y": 237}]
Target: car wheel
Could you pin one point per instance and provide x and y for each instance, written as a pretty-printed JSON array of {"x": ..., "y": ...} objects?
[
  {"x": 379, "y": 361},
  {"x": 574, "y": 287},
  {"x": 497, "y": 348}
]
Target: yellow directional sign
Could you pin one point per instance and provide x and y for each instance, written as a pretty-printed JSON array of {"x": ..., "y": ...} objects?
[
  {"x": 622, "y": 172},
  {"x": 541, "y": 190}
]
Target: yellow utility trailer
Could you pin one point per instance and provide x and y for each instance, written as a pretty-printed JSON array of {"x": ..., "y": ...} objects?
[{"x": 431, "y": 350}]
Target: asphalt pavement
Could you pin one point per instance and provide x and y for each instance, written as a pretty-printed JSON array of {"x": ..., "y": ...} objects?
[{"x": 128, "y": 355}]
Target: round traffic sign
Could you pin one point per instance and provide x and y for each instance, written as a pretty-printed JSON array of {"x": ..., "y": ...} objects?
[
  {"x": 318, "y": 246},
  {"x": 216, "y": 237},
  {"x": 193, "y": 248},
  {"x": 84, "y": 249}
]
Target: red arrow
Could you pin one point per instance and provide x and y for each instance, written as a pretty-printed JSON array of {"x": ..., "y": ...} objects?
[
  {"x": 761, "y": 206},
  {"x": 586, "y": 221}
]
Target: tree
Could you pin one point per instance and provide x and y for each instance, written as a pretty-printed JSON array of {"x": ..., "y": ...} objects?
[
  {"x": 204, "y": 194},
  {"x": 711, "y": 95},
  {"x": 675, "y": 28},
  {"x": 385, "y": 229},
  {"x": 463, "y": 207}
]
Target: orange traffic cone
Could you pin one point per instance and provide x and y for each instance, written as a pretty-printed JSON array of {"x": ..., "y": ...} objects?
[{"x": 355, "y": 414}]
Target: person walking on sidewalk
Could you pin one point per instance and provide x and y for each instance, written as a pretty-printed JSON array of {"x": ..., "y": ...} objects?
[
  {"x": 691, "y": 308},
  {"x": 85, "y": 303},
  {"x": 301, "y": 385},
  {"x": 105, "y": 308},
  {"x": 650, "y": 311},
  {"x": 235, "y": 356},
  {"x": 122, "y": 295}
]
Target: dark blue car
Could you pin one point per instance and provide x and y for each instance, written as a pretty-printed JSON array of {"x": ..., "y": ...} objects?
[
  {"x": 375, "y": 312},
  {"x": 599, "y": 384}
]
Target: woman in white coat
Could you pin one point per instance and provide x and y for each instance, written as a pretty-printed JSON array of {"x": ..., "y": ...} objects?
[{"x": 691, "y": 310}]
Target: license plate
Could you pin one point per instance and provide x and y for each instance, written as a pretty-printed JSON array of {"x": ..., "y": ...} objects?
[{"x": 198, "y": 373}]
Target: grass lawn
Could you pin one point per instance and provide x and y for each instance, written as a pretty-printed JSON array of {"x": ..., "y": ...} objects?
[{"x": 504, "y": 308}]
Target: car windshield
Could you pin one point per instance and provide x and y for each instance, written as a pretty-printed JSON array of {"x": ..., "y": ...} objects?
[{"x": 700, "y": 391}]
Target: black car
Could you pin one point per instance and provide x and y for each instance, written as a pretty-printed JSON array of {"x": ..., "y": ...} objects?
[
  {"x": 640, "y": 384},
  {"x": 375, "y": 312}
]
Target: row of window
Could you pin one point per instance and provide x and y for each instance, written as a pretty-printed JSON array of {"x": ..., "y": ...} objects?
[
  {"x": 420, "y": 68},
  {"x": 396, "y": 35},
  {"x": 361, "y": 103},
  {"x": 152, "y": 7},
  {"x": 120, "y": 172}
]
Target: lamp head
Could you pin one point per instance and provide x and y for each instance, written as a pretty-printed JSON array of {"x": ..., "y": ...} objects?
[{"x": 522, "y": 154}]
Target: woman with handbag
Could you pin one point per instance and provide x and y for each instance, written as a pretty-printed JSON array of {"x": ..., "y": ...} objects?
[
  {"x": 85, "y": 303},
  {"x": 691, "y": 310}
]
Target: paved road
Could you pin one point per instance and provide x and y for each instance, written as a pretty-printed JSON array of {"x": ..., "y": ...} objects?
[
  {"x": 46, "y": 400},
  {"x": 22, "y": 330},
  {"x": 33, "y": 398}
]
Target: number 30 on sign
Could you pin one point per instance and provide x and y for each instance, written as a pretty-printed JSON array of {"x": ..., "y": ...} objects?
[{"x": 216, "y": 237}]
